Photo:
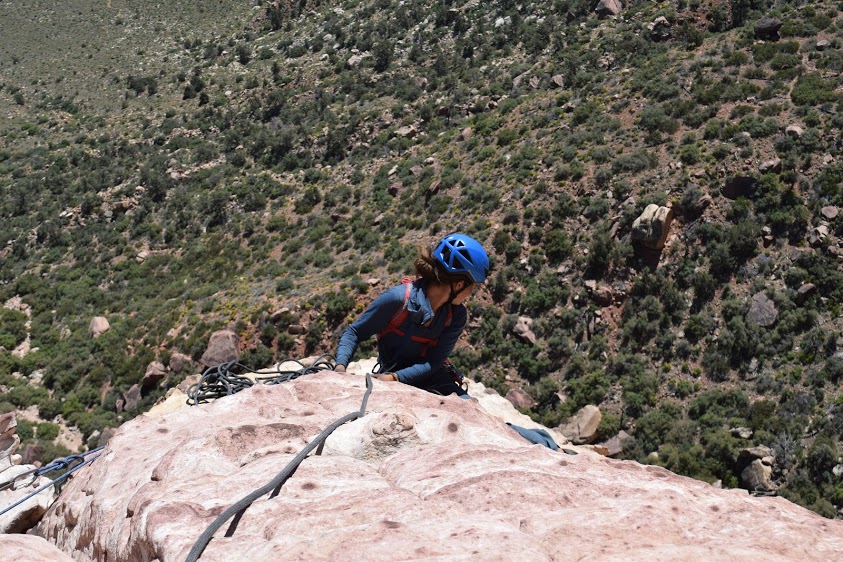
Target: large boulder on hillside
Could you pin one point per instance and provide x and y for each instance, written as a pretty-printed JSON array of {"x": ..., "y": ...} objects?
[
  {"x": 762, "y": 310},
  {"x": 520, "y": 399},
  {"x": 155, "y": 373},
  {"x": 607, "y": 8},
  {"x": 98, "y": 326},
  {"x": 222, "y": 347},
  {"x": 420, "y": 476},
  {"x": 180, "y": 362},
  {"x": 29, "y": 548},
  {"x": 651, "y": 228},
  {"x": 132, "y": 398},
  {"x": 582, "y": 427},
  {"x": 755, "y": 466},
  {"x": 523, "y": 330},
  {"x": 768, "y": 28},
  {"x": 660, "y": 29}
]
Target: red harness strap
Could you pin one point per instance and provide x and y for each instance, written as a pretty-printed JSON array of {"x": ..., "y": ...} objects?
[{"x": 401, "y": 316}]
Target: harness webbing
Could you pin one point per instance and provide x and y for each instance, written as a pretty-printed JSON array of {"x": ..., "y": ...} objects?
[{"x": 393, "y": 327}]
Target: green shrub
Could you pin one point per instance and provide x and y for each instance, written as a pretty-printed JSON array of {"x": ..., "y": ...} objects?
[{"x": 812, "y": 89}]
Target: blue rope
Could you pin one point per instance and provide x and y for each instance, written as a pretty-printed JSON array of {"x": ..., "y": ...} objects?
[{"x": 58, "y": 464}]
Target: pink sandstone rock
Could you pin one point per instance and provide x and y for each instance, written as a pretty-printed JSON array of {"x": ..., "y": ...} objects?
[
  {"x": 420, "y": 476},
  {"x": 30, "y": 548}
]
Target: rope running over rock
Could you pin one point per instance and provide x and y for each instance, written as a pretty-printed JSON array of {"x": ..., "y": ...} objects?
[
  {"x": 225, "y": 380},
  {"x": 58, "y": 464},
  {"x": 275, "y": 484}
]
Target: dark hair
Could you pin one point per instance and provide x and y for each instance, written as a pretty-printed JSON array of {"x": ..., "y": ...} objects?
[{"x": 428, "y": 268}]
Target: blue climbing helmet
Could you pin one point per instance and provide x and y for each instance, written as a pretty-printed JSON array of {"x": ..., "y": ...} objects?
[{"x": 462, "y": 254}]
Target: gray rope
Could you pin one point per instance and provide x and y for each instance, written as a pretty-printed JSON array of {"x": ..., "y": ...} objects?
[
  {"x": 275, "y": 484},
  {"x": 221, "y": 380}
]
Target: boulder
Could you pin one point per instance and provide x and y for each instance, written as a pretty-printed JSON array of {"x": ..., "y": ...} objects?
[
  {"x": 608, "y": 8},
  {"x": 739, "y": 186},
  {"x": 817, "y": 235},
  {"x": 652, "y": 227},
  {"x": 660, "y": 29},
  {"x": 132, "y": 398},
  {"x": 762, "y": 310},
  {"x": 768, "y": 28},
  {"x": 155, "y": 373},
  {"x": 30, "y": 548},
  {"x": 523, "y": 330},
  {"x": 614, "y": 445},
  {"x": 582, "y": 427},
  {"x": 794, "y": 131},
  {"x": 420, "y": 476},
  {"x": 180, "y": 362},
  {"x": 823, "y": 44},
  {"x": 557, "y": 81},
  {"x": 757, "y": 477},
  {"x": 222, "y": 347},
  {"x": 774, "y": 165},
  {"x": 407, "y": 132},
  {"x": 105, "y": 436},
  {"x": 601, "y": 295},
  {"x": 282, "y": 313},
  {"x": 520, "y": 399},
  {"x": 830, "y": 212},
  {"x": 804, "y": 292},
  {"x": 759, "y": 452},
  {"x": 98, "y": 326},
  {"x": 296, "y": 329},
  {"x": 741, "y": 432}
]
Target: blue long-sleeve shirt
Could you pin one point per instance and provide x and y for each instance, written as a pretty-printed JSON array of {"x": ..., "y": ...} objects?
[{"x": 399, "y": 354}]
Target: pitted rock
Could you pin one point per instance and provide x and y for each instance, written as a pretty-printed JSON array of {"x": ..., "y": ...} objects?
[{"x": 469, "y": 485}]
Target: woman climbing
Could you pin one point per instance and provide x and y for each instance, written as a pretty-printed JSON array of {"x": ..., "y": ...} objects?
[{"x": 419, "y": 322}]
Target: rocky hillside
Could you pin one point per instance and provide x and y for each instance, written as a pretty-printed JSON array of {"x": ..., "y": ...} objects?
[{"x": 268, "y": 167}]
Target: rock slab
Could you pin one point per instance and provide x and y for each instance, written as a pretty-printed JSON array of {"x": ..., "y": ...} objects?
[
  {"x": 421, "y": 476},
  {"x": 29, "y": 548}
]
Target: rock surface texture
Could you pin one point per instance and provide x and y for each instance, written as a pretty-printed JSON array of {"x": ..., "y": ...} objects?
[
  {"x": 421, "y": 476},
  {"x": 29, "y": 548}
]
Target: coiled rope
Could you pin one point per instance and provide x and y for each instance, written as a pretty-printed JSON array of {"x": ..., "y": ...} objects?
[
  {"x": 71, "y": 462},
  {"x": 225, "y": 379},
  {"x": 275, "y": 484}
]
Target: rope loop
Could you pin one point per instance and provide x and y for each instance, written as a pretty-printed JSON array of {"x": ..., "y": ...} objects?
[{"x": 225, "y": 379}]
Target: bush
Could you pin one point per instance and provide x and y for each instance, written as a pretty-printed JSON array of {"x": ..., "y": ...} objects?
[
  {"x": 337, "y": 307},
  {"x": 812, "y": 89}
]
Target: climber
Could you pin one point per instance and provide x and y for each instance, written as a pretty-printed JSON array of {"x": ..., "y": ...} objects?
[{"x": 418, "y": 322}]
